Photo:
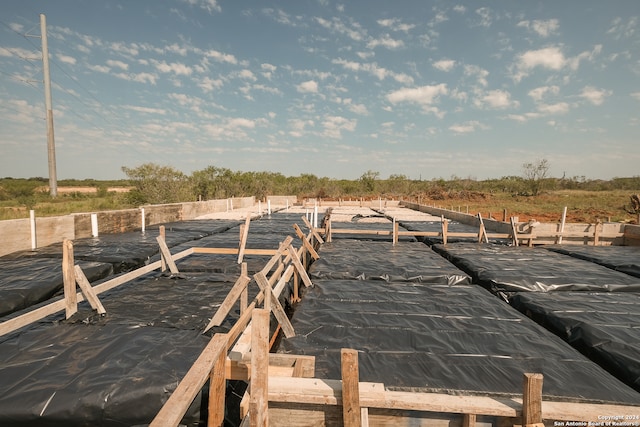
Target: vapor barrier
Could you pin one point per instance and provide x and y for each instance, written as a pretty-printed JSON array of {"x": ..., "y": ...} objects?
[
  {"x": 603, "y": 326},
  {"x": 79, "y": 375},
  {"x": 354, "y": 259},
  {"x": 25, "y": 282},
  {"x": 117, "y": 369},
  {"x": 371, "y": 226},
  {"x": 433, "y": 338},
  {"x": 621, "y": 258},
  {"x": 507, "y": 269},
  {"x": 131, "y": 250}
]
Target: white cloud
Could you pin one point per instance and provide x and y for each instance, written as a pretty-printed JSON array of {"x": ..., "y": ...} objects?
[
  {"x": 221, "y": 57},
  {"x": 99, "y": 68},
  {"x": 540, "y": 92},
  {"x": 118, "y": 64},
  {"x": 208, "y": 5},
  {"x": 620, "y": 29},
  {"x": 467, "y": 127},
  {"x": 542, "y": 28},
  {"x": 146, "y": 110},
  {"x": 176, "y": 68},
  {"x": 139, "y": 78},
  {"x": 310, "y": 86},
  {"x": 334, "y": 125},
  {"x": 498, "y": 99},
  {"x": 459, "y": 8},
  {"x": 485, "y": 16},
  {"x": 354, "y": 32},
  {"x": 208, "y": 84},
  {"x": 636, "y": 95},
  {"x": 247, "y": 75},
  {"x": 395, "y": 25},
  {"x": 559, "y": 108},
  {"x": 385, "y": 41},
  {"x": 419, "y": 95},
  {"x": 298, "y": 127},
  {"x": 375, "y": 70},
  {"x": 65, "y": 59},
  {"x": 594, "y": 95},
  {"x": 444, "y": 65},
  {"x": 480, "y": 73},
  {"x": 550, "y": 58}
]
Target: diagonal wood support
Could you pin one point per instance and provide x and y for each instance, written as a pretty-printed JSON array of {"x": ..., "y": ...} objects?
[
  {"x": 313, "y": 230},
  {"x": 274, "y": 305},
  {"x": 166, "y": 255},
  {"x": 295, "y": 259},
  {"x": 236, "y": 292},
  {"x": 306, "y": 242},
  {"x": 87, "y": 290},
  {"x": 244, "y": 234}
]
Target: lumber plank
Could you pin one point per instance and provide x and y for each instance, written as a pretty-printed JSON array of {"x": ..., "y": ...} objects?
[
  {"x": 69, "y": 280},
  {"x": 166, "y": 255},
  {"x": 174, "y": 409},
  {"x": 313, "y": 230},
  {"x": 295, "y": 259},
  {"x": 350, "y": 388},
  {"x": 243, "y": 239},
  {"x": 305, "y": 242},
  {"x": 88, "y": 291},
  {"x": 276, "y": 307},
  {"x": 259, "y": 399},
  {"x": 282, "y": 248},
  {"x": 231, "y": 298},
  {"x": 234, "y": 251}
]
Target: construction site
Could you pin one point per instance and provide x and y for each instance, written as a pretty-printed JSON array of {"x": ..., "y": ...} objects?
[{"x": 307, "y": 313}]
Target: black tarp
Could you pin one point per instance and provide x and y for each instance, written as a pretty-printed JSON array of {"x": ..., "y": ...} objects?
[
  {"x": 620, "y": 258},
  {"x": 354, "y": 259},
  {"x": 436, "y": 226},
  {"x": 117, "y": 369},
  {"x": 360, "y": 223},
  {"x": 25, "y": 282},
  {"x": 603, "y": 326},
  {"x": 456, "y": 339},
  {"x": 509, "y": 269}
]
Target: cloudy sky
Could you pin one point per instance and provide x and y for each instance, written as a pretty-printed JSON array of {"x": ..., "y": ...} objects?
[{"x": 426, "y": 89}]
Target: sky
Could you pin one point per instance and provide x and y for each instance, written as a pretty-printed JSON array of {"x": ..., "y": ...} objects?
[{"x": 420, "y": 88}]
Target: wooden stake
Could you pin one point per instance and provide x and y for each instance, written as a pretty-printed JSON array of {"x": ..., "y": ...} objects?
[
  {"x": 514, "y": 232},
  {"x": 564, "y": 219},
  {"x": 396, "y": 229},
  {"x": 504, "y": 215},
  {"x": 244, "y": 296},
  {"x": 305, "y": 242},
  {"x": 88, "y": 291},
  {"x": 469, "y": 420},
  {"x": 482, "y": 232},
  {"x": 350, "y": 388},
  {"x": 313, "y": 230},
  {"x": 532, "y": 399},
  {"x": 445, "y": 229},
  {"x": 259, "y": 401},
  {"x": 69, "y": 279},
  {"x": 218, "y": 389},
  {"x": 596, "y": 233},
  {"x": 236, "y": 291},
  {"x": 163, "y": 262}
]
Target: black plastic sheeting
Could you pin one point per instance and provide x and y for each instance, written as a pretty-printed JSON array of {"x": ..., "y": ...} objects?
[
  {"x": 25, "y": 282},
  {"x": 507, "y": 269},
  {"x": 78, "y": 375},
  {"x": 603, "y": 326},
  {"x": 354, "y": 259},
  {"x": 356, "y": 224},
  {"x": 117, "y": 369},
  {"x": 625, "y": 259},
  {"x": 454, "y": 339}
]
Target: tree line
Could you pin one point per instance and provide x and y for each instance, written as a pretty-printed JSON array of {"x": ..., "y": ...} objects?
[{"x": 154, "y": 184}]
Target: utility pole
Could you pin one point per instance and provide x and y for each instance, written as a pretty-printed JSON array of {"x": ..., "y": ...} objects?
[{"x": 51, "y": 145}]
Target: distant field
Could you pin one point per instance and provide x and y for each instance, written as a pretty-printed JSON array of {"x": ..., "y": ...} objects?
[{"x": 582, "y": 205}]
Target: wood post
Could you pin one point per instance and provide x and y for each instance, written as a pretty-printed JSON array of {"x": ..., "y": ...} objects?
[
  {"x": 596, "y": 233},
  {"x": 271, "y": 303},
  {"x": 482, "y": 232},
  {"x": 218, "y": 389},
  {"x": 244, "y": 296},
  {"x": 351, "y": 415},
  {"x": 69, "y": 279},
  {"x": 396, "y": 229},
  {"x": 562, "y": 223},
  {"x": 514, "y": 232},
  {"x": 532, "y": 400},
  {"x": 469, "y": 420},
  {"x": 259, "y": 400},
  {"x": 504, "y": 215},
  {"x": 163, "y": 262},
  {"x": 445, "y": 229}
]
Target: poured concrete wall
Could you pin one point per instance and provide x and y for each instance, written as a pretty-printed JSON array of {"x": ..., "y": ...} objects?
[{"x": 15, "y": 234}]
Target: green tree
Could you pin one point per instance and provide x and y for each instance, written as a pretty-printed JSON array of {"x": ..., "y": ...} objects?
[
  {"x": 155, "y": 184},
  {"x": 535, "y": 173}
]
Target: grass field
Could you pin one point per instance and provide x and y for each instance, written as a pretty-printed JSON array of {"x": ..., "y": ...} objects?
[{"x": 582, "y": 206}]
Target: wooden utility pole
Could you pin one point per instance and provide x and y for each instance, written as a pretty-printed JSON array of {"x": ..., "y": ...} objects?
[{"x": 51, "y": 146}]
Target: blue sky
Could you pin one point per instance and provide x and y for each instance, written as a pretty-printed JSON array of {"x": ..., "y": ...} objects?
[{"x": 426, "y": 89}]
